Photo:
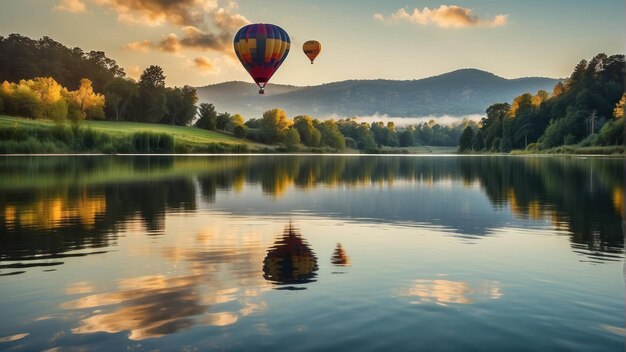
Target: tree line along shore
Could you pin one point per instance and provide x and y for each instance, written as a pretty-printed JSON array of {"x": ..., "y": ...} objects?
[{"x": 82, "y": 102}]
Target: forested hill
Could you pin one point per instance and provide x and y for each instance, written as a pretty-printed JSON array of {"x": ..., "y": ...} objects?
[{"x": 461, "y": 92}]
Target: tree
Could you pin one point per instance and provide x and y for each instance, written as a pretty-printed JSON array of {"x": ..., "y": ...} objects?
[
  {"x": 22, "y": 58},
  {"x": 121, "y": 94},
  {"x": 208, "y": 117},
  {"x": 222, "y": 121},
  {"x": 465, "y": 142},
  {"x": 152, "y": 95},
  {"x": 330, "y": 134},
  {"x": 88, "y": 102},
  {"x": 240, "y": 131},
  {"x": 478, "y": 142},
  {"x": 309, "y": 135},
  {"x": 292, "y": 139},
  {"x": 274, "y": 125},
  {"x": 407, "y": 138},
  {"x": 235, "y": 120},
  {"x": 152, "y": 77},
  {"x": 618, "y": 112},
  {"x": 364, "y": 137}
]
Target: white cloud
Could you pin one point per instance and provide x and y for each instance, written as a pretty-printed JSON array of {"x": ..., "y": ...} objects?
[{"x": 445, "y": 16}]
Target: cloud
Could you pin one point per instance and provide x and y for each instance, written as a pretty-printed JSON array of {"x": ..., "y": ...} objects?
[
  {"x": 204, "y": 64},
  {"x": 445, "y": 16},
  {"x": 157, "y": 12},
  {"x": 170, "y": 43},
  {"x": 139, "y": 46},
  {"x": 74, "y": 6},
  {"x": 192, "y": 38},
  {"x": 206, "y": 24}
]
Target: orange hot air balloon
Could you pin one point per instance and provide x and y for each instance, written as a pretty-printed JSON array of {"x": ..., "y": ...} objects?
[{"x": 311, "y": 49}]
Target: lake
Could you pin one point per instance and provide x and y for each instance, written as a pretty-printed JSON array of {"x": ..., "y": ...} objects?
[{"x": 309, "y": 253}]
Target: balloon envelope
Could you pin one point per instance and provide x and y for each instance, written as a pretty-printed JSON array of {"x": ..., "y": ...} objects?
[
  {"x": 311, "y": 49},
  {"x": 261, "y": 48}
]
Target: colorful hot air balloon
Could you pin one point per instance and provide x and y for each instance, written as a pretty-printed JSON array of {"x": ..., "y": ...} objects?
[
  {"x": 311, "y": 49},
  {"x": 261, "y": 48}
]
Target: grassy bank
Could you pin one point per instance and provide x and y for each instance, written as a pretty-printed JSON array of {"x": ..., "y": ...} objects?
[
  {"x": 21, "y": 135},
  {"x": 576, "y": 150}
]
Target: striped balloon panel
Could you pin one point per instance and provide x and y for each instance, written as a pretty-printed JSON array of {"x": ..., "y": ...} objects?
[{"x": 261, "y": 48}]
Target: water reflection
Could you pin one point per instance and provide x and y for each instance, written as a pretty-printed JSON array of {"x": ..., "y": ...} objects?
[
  {"x": 150, "y": 306},
  {"x": 340, "y": 258},
  {"x": 290, "y": 260},
  {"x": 444, "y": 292},
  {"x": 52, "y": 208},
  {"x": 222, "y": 285}
]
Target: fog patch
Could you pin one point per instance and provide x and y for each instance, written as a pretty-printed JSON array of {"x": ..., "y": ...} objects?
[{"x": 405, "y": 121}]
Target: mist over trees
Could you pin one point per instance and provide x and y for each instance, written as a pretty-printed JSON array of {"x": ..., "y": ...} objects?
[{"x": 585, "y": 109}]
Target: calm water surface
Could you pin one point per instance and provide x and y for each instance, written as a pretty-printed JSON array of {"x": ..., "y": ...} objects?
[{"x": 311, "y": 253}]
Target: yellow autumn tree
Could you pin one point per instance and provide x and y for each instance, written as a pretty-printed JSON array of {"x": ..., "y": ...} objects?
[
  {"x": 84, "y": 103},
  {"x": 618, "y": 112}
]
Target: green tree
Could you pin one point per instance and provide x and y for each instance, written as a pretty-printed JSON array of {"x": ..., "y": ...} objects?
[
  {"x": 208, "y": 117},
  {"x": 292, "y": 139},
  {"x": 465, "y": 142},
  {"x": 407, "y": 138},
  {"x": 152, "y": 95},
  {"x": 222, "y": 121},
  {"x": 330, "y": 134},
  {"x": 309, "y": 135},
  {"x": 121, "y": 94},
  {"x": 240, "y": 131},
  {"x": 364, "y": 137},
  {"x": 478, "y": 142}
]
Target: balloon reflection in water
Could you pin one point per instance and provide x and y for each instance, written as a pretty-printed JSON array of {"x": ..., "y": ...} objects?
[
  {"x": 290, "y": 260},
  {"x": 340, "y": 257}
]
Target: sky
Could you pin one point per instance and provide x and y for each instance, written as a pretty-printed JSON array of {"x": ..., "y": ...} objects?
[{"x": 361, "y": 39}]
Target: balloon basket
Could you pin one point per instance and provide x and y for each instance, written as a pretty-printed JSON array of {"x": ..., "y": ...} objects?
[{"x": 261, "y": 91}]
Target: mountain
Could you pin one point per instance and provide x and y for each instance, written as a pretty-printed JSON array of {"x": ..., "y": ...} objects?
[{"x": 456, "y": 93}]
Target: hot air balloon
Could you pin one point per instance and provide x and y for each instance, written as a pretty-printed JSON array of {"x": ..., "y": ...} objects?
[
  {"x": 311, "y": 49},
  {"x": 261, "y": 48}
]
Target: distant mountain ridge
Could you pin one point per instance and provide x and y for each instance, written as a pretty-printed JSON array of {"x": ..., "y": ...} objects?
[{"x": 456, "y": 93}]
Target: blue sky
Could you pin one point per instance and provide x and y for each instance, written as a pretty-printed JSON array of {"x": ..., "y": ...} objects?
[{"x": 364, "y": 39}]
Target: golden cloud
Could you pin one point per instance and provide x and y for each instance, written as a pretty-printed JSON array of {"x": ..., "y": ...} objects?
[
  {"x": 74, "y": 6},
  {"x": 207, "y": 25},
  {"x": 445, "y": 16},
  {"x": 204, "y": 64},
  {"x": 156, "y": 12},
  {"x": 143, "y": 45}
]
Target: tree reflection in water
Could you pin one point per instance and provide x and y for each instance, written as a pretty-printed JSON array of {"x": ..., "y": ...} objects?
[{"x": 51, "y": 206}]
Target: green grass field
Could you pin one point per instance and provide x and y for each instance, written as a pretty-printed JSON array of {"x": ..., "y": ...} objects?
[{"x": 186, "y": 135}]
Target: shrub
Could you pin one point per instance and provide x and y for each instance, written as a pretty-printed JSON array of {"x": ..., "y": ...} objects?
[{"x": 240, "y": 131}]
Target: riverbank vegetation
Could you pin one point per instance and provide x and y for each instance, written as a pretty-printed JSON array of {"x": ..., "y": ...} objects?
[
  {"x": 26, "y": 136},
  {"x": 85, "y": 103},
  {"x": 583, "y": 114}
]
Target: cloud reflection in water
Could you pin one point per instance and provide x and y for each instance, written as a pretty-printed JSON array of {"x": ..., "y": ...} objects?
[{"x": 444, "y": 292}]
